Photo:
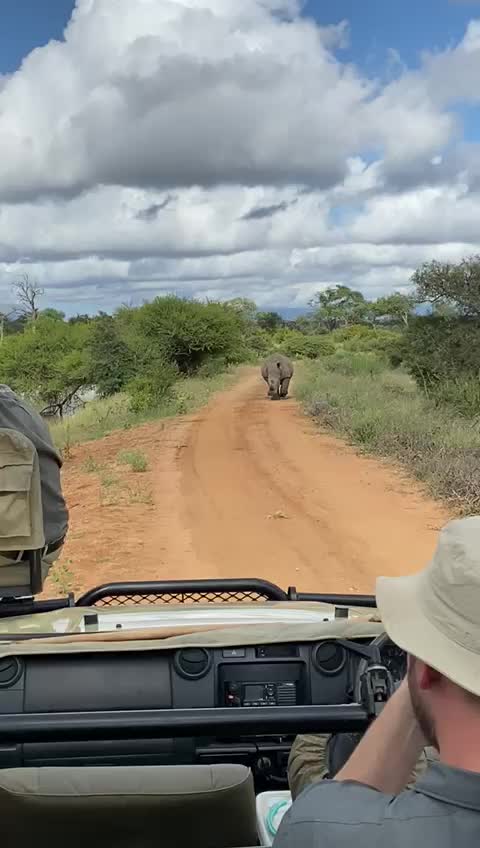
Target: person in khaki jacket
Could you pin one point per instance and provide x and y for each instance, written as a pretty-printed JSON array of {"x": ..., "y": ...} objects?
[
  {"x": 317, "y": 756},
  {"x": 27, "y": 453}
]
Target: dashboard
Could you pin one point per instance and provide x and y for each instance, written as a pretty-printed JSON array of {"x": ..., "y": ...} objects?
[{"x": 259, "y": 677}]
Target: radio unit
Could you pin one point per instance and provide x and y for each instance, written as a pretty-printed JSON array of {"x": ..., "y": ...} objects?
[{"x": 265, "y": 694}]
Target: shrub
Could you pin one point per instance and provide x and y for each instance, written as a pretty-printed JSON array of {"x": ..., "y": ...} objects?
[
  {"x": 438, "y": 348},
  {"x": 355, "y": 331},
  {"x": 112, "y": 361},
  {"x": 354, "y": 364},
  {"x": 462, "y": 394},
  {"x": 297, "y": 345},
  {"x": 135, "y": 459},
  {"x": 187, "y": 333},
  {"x": 48, "y": 362},
  {"x": 150, "y": 389}
]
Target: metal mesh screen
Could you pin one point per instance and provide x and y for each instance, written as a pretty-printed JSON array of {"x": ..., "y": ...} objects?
[{"x": 208, "y": 597}]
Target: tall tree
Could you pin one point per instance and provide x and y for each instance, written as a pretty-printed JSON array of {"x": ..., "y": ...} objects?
[
  {"x": 28, "y": 294},
  {"x": 339, "y": 306},
  {"x": 443, "y": 284},
  {"x": 397, "y": 308}
]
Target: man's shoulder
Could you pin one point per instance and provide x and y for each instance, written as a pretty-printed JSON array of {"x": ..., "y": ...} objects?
[
  {"x": 350, "y": 803},
  {"x": 345, "y": 802},
  {"x": 331, "y": 814}
]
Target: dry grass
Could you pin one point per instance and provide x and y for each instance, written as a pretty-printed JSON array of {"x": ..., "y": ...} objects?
[{"x": 384, "y": 413}]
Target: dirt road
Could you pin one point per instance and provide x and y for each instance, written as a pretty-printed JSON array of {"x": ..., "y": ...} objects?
[{"x": 246, "y": 487}]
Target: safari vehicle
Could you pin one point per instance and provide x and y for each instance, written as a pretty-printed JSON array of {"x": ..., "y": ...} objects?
[{"x": 162, "y": 713}]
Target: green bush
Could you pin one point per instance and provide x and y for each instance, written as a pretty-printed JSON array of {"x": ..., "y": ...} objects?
[
  {"x": 438, "y": 348},
  {"x": 213, "y": 366},
  {"x": 297, "y": 345},
  {"x": 112, "y": 362},
  {"x": 354, "y": 364},
  {"x": 48, "y": 362},
  {"x": 135, "y": 459},
  {"x": 187, "y": 333},
  {"x": 380, "y": 341},
  {"x": 355, "y": 331},
  {"x": 148, "y": 390},
  {"x": 462, "y": 394}
]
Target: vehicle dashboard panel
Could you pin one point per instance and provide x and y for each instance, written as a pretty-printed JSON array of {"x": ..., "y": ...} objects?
[{"x": 321, "y": 673}]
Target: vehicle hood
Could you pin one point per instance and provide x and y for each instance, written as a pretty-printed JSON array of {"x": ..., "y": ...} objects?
[{"x": 185, "y": 616}]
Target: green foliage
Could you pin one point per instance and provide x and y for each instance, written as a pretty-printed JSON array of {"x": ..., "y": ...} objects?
[
  {"x": 438, "y": 348},
  {"x": 452, "y": 285},
  {"x": 344, "y": 334},
  {"x": 135, "y": 459},
  {"x": 461, "y": 393},
  {"x": 385, "y": 413},
  {"x": 269, "y": 321},
  {"x": 296, "y": 345},
  {"x": 48, "y": 361},
  {"x": 354, "y": 364},
  {"x": 442, "y": 350},
  {"x": 243, "y": 307},
  {"x": 338, "y": 306},
  {"x": 213, "y": 366},
  {"x": 146, "y": 391},
  {"x": 112, "y": 361},
  {"x": 186, "y": 333},
  {"x": 395, "y": 308},
  {"x": 54, "y": 314},
  {"x": 374, "y": 340},
  {"x": 307, "y": 324}
]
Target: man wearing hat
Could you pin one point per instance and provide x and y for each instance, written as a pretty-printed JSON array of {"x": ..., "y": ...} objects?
[{"x": 434, "y": 616}]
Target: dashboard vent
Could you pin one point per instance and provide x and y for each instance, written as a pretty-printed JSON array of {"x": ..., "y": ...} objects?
[
  {"x": 192, "y": 663},
  {"x": 329, "y": 657},
  {"x": 10, "y": 671}
]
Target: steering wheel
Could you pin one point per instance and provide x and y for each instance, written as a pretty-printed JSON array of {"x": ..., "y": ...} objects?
[{"x": 342, "y": 745}]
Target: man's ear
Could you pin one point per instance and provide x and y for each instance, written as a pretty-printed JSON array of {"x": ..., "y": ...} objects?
[{"x": 427, "y": 676}]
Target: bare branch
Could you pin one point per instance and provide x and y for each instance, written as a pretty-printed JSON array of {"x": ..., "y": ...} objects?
[{"x": 27, "y": 294}]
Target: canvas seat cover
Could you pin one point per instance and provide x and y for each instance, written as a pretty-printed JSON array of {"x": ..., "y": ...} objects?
[
  {"x": 140, "y": 807},
  {"x": 21, "y": 513}
]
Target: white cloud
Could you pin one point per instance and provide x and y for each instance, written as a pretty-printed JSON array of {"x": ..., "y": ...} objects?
[{"x": 218, "y": 147}]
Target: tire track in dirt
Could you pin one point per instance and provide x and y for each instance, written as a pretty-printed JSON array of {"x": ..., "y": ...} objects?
[
  {"x": 346, "y": 518},
  {"x": 246, "y": 487}
]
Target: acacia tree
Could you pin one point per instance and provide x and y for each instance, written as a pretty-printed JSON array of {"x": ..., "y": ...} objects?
[
  {"x": 396, "y": 308},
  {"x": 48, "y": 362},
  {"x": 340, "y": 306},
  {"x": 452, "y": 286}
]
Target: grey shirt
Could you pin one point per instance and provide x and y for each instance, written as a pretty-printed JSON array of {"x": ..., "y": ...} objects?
[
  {"x": 442, "y": 810},
  {"x": 17, "y": 415}
]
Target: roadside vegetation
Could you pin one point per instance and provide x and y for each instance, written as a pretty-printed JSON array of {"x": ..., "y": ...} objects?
[
  {"x": 395, "y": 380},
  {"x": 415, "y": 396}
]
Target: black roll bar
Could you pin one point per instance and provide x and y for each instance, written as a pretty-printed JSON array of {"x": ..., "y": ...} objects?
[{"x": 167, "y": 723}]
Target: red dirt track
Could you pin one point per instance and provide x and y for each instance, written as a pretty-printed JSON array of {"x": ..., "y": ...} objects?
[{"x": 245, "y": 487}]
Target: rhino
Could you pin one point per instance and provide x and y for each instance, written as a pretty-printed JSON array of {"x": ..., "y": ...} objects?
[{"x": 277, "y": 371}]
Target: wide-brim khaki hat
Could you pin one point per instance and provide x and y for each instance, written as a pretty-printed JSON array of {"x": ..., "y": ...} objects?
[{"x": 435, "y": 614}]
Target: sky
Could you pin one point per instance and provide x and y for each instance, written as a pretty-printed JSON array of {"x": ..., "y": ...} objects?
[{"x": 215, "y": 148}]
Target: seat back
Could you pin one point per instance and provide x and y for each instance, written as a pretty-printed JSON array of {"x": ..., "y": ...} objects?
[
  {"x": 21, "y": 514},
  {"x": 139, "y": 806}
]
